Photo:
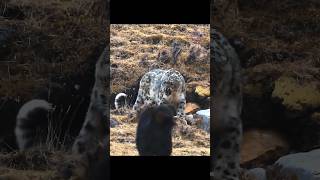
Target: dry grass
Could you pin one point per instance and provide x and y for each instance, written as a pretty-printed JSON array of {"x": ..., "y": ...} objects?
[
  {"x": 187, "y": 140},
  {"x": 257, "y": 24},
  {"x": 282, "y": 39},
  {"x": 132, "y": 43},
  {"x": 50, "y": 38}
]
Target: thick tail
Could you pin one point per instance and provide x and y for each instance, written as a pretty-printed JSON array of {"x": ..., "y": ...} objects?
[
  {"x": 30, "y": 115},
  {"x": 116, "y": 100}
]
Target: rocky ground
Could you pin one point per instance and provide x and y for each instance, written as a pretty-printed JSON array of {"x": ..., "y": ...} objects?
[
  {"x": 278, "y": 45},
  {"x": 135, "y": 50}
]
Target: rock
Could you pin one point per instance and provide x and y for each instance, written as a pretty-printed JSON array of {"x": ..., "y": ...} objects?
[
  {"x": 113, "y": 123},
  {"x": 278, "y": 172},
  {"x": 203, "y": 91},
  {"x": 255, "y": 174},
  {"x": 194, "y": 53},
  {"x": 164, "y": 56},
  {"x": 190, "y": 119},
  {"x": 176, "y": 51},
  {"x": 154, "y": 39},
  {"x": 260, "y": 147},
  {"x": 200, "y": 70},
  {"x": 303, "y": 165},
  {"x": 144, "y": 61},
  {"x": 205, "y": 123},
  {"x": 191, "y": 108},
  {"x": 296, "y": 98},
  {"x": 193, "y": 96},
  {"x": 257, "y": 93}
]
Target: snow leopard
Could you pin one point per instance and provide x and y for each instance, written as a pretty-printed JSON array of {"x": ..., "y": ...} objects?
[
  {"x": 160, "y": 86},
  {"x": 226, "y": 125}
]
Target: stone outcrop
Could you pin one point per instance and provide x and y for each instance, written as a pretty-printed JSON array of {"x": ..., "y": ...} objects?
[{"x": 262, "y": 147}]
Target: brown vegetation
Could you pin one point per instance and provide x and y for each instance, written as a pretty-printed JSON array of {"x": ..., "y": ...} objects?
[{"x": 134, "y": 51}]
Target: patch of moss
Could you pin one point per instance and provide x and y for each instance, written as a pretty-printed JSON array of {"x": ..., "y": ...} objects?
[{"x": 297, "y": 96}]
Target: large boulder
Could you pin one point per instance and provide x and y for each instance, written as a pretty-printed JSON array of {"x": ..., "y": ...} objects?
[
  {"x": 254, "y": 174},
  {"x": 298, "y": 98},
  {"x": 300, "y": 166},
  {"x": 198, "y": 92},
  {"x": 205, "y": 119},
  {"x": 202, "y": 91},
  {"x": 191, "y": 108},
  {"x": 257, "y": 90},
  {"x": 262, "y": 147}
]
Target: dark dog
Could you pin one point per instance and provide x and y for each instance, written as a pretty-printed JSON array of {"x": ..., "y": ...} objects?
[{"x": 153, "y": 137}]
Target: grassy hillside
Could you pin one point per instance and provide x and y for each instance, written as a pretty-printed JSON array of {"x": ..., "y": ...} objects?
[{"x": 134, "y": 51}]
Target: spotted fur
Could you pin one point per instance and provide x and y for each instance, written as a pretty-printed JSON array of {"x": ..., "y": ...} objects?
[
  {"x": 95, "y": 128},
  {"x": 226, "y": 124},
  {"x": 32, "y": 113},
  {"x": 162, "y": 87},
  {"x": 91, "y": 147}
]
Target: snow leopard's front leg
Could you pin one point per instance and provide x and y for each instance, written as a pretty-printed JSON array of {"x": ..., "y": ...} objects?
[
  {"x": 95, "y": 128},
  {"x": 139, "y": 101},
  {"x": 226, "y": 124},
  {"x": 182, "y": 100},
  {"x": 143, "y": 97},
  {"x": 179, "y": 103}
]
